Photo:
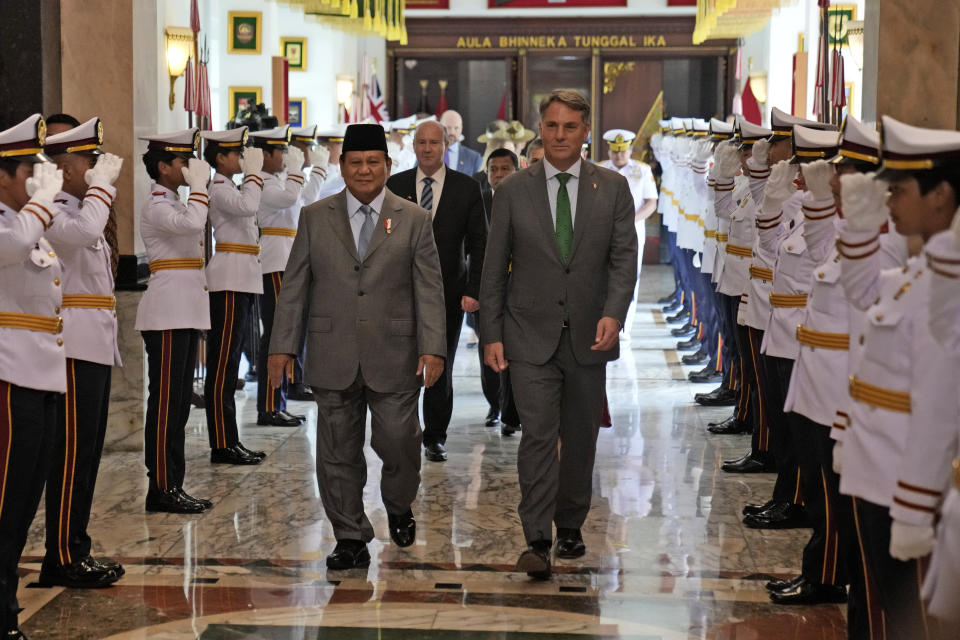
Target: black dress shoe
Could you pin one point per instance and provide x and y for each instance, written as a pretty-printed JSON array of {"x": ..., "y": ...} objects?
[
  {"x": 668, "y": 299},
  {"x": 780, "y": 516},
  {"x": 684, "y": 331},
  {"x": 256, "y": 454},
  {"x": 197, "y": 400},
  {"x": 717, "y": 398},
  {"x": 300, "y": 392},
  {"x": 570, "y": 543},
  {"x": 232, "y": 455},
  {"x": 169, "y": 502},
  {"x": 751, "y": 509},
  {"x": 698, "y": 357},
  {"x": 276, "y": 419},
  {"x": 535, "y": 561},
  {"x": 80, "y": 574},
  {"x": 493, "y": 418},
  {"x": 299, "y": 417},
  {"x": 435, "y": 452},
  {"x": 106, "y": 564},
  {"x": 807, "y": 593},
  {"x": 403, "y": 528},
  {"x": 186, "y": 497},
  {"x": 508, "y": 429},
  {"x": 748, "y": 464},
  {"x": 718, "y": 423},
  {"x": 349, "y": 554},
  {"x": 730, "y": 426},
  {"x": 707, "y": 375},
  {"x": 251, "y": 375},
  {"x": 15, "y": 634},
  {"x": 689, "y": 345},
  {"x": 241, "y": 383},
  {"x": 673, "y": 307},
  {"x": 681, "y": 316},
  {"x": 779, "y": 585}
]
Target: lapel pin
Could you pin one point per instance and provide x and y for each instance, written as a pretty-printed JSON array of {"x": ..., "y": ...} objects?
[
  {"x": 594, "y": 185},
  {"x": 388, "y": 225}
]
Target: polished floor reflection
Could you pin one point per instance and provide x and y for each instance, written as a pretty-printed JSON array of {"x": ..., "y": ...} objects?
[{"x": 667, "y": 556}]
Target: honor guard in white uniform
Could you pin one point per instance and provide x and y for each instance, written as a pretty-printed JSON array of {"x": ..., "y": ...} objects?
[
  {"x": 90, "y": 344},
  {"x": 283, "y": 183},
  {"x": 173, "y": 310},
  {"x": 643, "y": 188},
  {"x": 937, "y": 447},
  {"x": 33, "y": 361},
  {"x": 233, "y": 280},
  {"x": 904, "y": 384},
  {"x": 317, "y": 157},
  {"x": 332, "y": 140}
]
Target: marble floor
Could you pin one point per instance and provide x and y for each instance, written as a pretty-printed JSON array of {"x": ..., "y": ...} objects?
[{"x": 667, "y": 557}]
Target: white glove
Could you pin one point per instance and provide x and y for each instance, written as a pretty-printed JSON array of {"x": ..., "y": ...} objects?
[
  {"x": 197, "y": 175},
  {"x": 696, "y": 261},
  {"x": 319, "y": 157},
  {"x": 863, "y": 200},
  {"x": 817, "y": 176},
  {"x": 909, "y": 541},
  {"x": 45, "y": 184},
  {"x": 106, "y": 170},
  {"x": 779, "y": 187},
  {"x": 761, "y": 152},
  {"x": 293, "y": 160},
  {"x": 955, "y": 227},
  {"x": 838, "y": 457},
  {"x": 251, "y": 161},
  {"x": 703, "y": 152},
  {"x": 727, "y": 161}
]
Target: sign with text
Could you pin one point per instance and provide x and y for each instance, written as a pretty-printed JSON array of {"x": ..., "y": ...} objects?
[
  {"x": 610, "y": 41},
  {"x": 549, "y": 4}
]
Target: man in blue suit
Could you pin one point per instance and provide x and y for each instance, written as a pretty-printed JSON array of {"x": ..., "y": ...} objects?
[{"x": 458, "y": 157}]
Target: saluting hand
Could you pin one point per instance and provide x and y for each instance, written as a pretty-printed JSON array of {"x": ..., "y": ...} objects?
[
  {"x": 430, "y": 367},
  {"x": 278, "y": 366},
  {"x": 607, "y": 330}
]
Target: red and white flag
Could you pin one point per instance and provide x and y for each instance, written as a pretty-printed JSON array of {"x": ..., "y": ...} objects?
[{"x": 375, "y": 101}]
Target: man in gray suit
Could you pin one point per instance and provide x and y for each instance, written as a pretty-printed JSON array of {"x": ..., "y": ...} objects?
[
  {"x": 558, "y": 278},
  {"x": 364, "y": 277}
]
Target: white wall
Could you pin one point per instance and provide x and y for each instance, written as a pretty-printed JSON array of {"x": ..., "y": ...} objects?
[
  {"x": 772, "y": 50},
  {"x": 478, "y": 8}
]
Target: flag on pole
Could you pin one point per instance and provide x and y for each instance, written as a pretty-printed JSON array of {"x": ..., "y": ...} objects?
[
  {"x": 190, "y": 88},
  {"x": 376, "y": 106},
  {"x": 194, "y": 17},
  {"x": 203, "y": 91}
]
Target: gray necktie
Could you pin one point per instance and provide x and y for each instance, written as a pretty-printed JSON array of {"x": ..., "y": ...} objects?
[
  {"x": 366, "y": 231},
  {"x": 426, "y": 197}
]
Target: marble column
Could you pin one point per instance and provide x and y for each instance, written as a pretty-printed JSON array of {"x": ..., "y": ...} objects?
[
  {"x": 918, "y": 60},
  {"x": 99, "y": 79},
  {"x": 29, "y": 59}
]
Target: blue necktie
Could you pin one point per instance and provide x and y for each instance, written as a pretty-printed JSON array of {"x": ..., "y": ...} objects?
[
  {"x": 366, "y": 231},
  {"x": 426, "y": 197}
]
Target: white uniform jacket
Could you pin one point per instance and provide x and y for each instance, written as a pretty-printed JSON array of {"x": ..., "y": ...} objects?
[
  {"x": 233, "y": 213},
  {"x": 176, "y": 298},
  {"x": 30, "y": 283},
  {"x": 734, "y": 206},
  {"x": 278, "y": 216},
  {"x": 771, "y": 231},
  {"x": 333, "y": 183},
  {"x": 89, "y": 308}
]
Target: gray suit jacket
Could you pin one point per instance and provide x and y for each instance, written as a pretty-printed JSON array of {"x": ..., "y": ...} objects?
[
  {"x": 377, "y": 315},
  {"x": 526, "y": 289}
]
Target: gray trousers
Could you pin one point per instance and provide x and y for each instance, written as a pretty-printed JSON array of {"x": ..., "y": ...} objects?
[
  {"x": 341, "y": 467},
  {"x": 559, "y": 401}
]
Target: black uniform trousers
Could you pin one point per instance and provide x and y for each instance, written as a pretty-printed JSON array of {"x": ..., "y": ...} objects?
[
  {"x": 28, "y": 421},
  {"x": 676, "y": 256},
  {"x": 827, "y": 554},
  {"x": 750, "y": 339},
  {"x": 229, "y": 314},
  {"x": 508, "y": 408},
  {"x": 489, "y": 379},
  {"x": 78, "y": 444},
  {"x": 891, "y": 588},
  {"x": 269, "y": 399},
  {"x": 788, "y": 487},
  {"x": 708, "y": 321},
  {"x": 438, "y": 399},
  {"x": 171, "y": 357},
  {"x": 729, "y": 349}
]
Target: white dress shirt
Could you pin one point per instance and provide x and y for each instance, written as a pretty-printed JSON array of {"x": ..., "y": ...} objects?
[
  {"x": 357, "y": 218},
  {"x": 437, "y": 185},
  {"x": 553, "y": 188}
]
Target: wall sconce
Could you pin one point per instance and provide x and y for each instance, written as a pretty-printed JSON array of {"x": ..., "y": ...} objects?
[
  {"x": 758, "y": 84},
  {"x": 344, "y": 89},
  {"x": 855, "y": 38},
  {"x": 179, "y": 50}
]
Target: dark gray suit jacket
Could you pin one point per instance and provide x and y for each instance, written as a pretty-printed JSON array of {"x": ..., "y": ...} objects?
[
  {"x": 377, "y": 315},
  {"x": 527, "y": 290}
]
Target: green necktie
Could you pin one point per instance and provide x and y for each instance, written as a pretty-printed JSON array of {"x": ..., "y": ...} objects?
[{"x": 564, "y": 226}]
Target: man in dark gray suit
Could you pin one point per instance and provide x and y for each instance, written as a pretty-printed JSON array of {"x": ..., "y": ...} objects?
[
  {"x": 558, "y": 278},
  {"x": 456, "y": 156},
  {"x": 365, "y": 263}
]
